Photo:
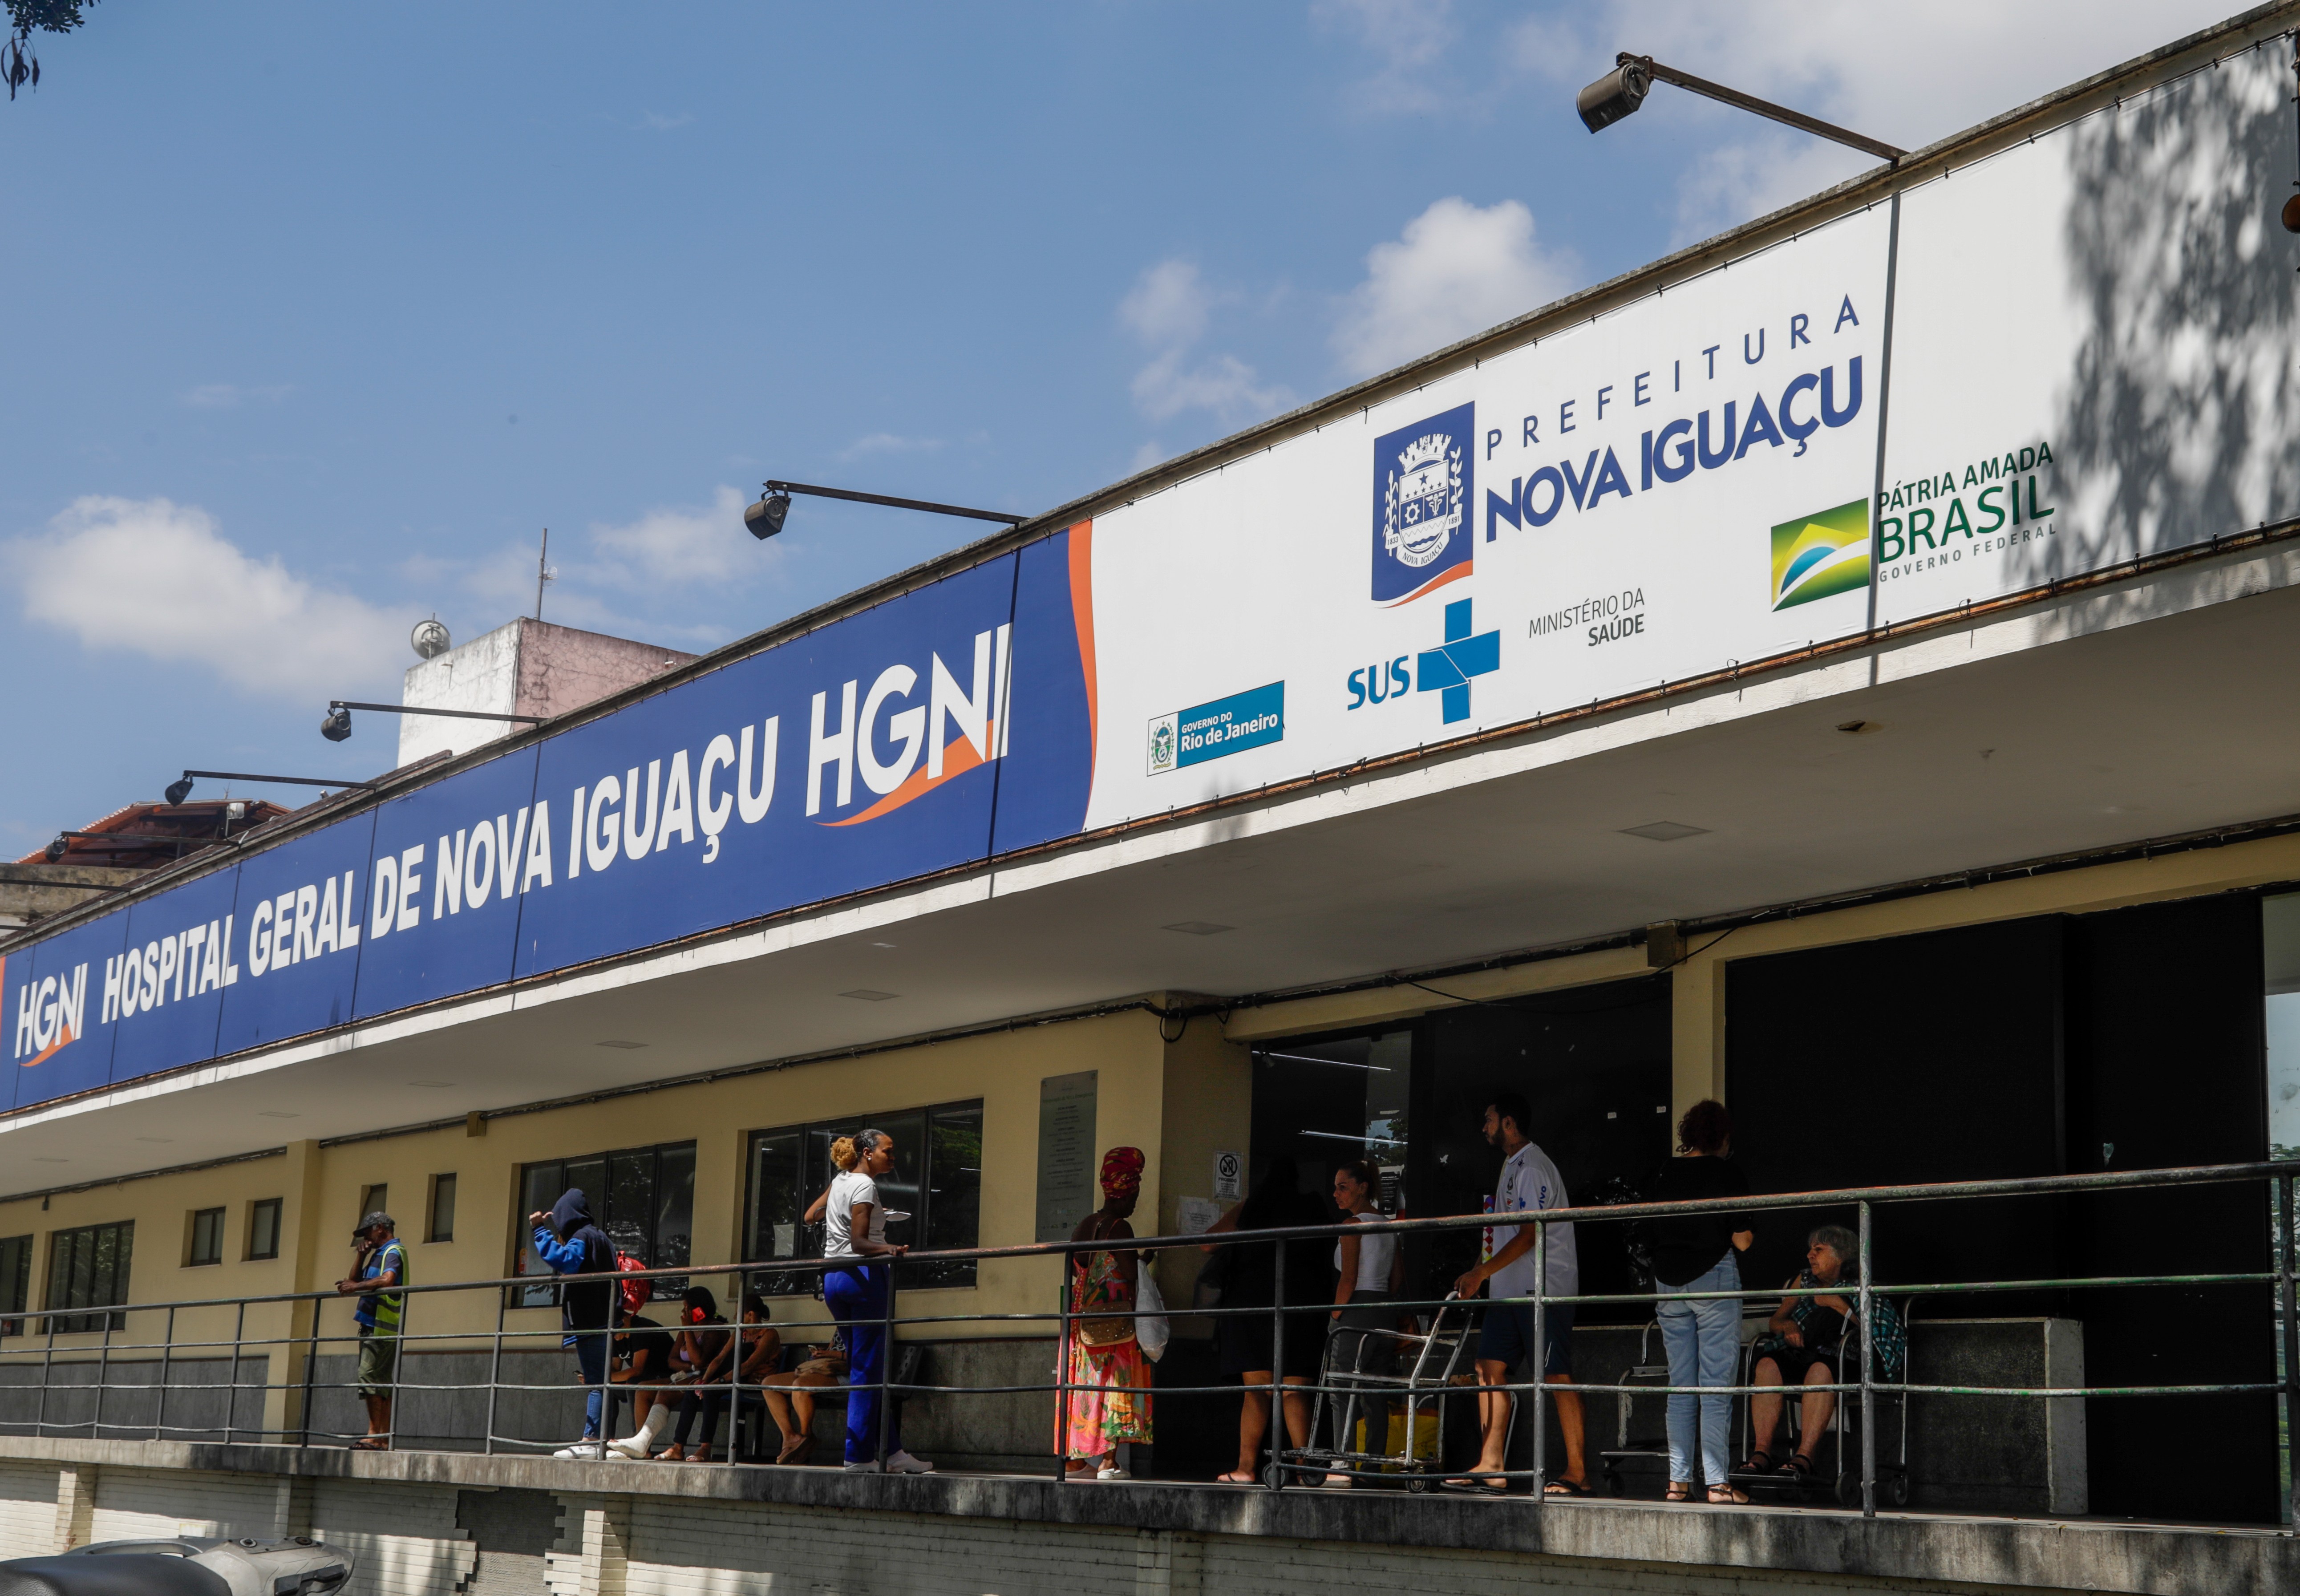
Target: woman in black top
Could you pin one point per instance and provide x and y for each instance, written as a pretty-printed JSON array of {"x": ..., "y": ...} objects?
[
  {"x": 1248, "y": 1347},
  {"x": 1696, "y": 1253}
]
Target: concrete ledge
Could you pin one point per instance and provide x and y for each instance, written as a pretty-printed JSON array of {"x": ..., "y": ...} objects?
[{"x": 1897, "y": 1549}]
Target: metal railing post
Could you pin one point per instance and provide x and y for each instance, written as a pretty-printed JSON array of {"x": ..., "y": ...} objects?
[
  {"x": 2284, "y": 1293},
  {"x": 103, "y": 1378},
  {"x": 885, "y": 1360},
  {"x": 734, "y": 1383},
  {"x": 1277, "y": 1366},
  {"x": 47, "y": 1369},
  {"x": 1868, "y": 1390},
  {"x": 167, "y": 1347},
  {"x": 398, "y": 1372},
  {"x": 495, "y": 1371},
  {"x": 231, "y": 1401},
  {"x": 310, "y": 1372},
  {"x": 1063, "y": 1377},
  {"x": 1540, "y": 1370}
]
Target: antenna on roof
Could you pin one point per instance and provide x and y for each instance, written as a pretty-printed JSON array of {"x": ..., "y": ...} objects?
[{"x": 543, "y": 573}]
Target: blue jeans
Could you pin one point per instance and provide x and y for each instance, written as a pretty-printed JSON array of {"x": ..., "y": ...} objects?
[
  {"x": 857, "y": 1298},
  {"x": 1703, "y": 1339},
  {"x": 591, "y": 1361}
]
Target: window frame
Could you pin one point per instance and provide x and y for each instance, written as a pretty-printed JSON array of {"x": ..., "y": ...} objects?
[
  {"x": 277, "y": 1207},
  {"x": 599, "y": 1188},
  {"x": 63, "y": 1248},
  {"x": 15, "y": 1280},
  {"x": 960, "y": 1275},
  {"x": 217, "y": 1216},
  {"x": 432, "y": 1230}
]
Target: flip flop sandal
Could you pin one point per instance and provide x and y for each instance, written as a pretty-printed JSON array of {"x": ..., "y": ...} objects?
[
  {"x": 1564, "y": 1487},
  {"x": 1473, "y": 1485},
  {"x": 1798, "y": 1465},
  {"x": 1757, "y": 1462},
  {"x": 1726, "y": 1496},
  {"x": 1680, "y": 1491}
]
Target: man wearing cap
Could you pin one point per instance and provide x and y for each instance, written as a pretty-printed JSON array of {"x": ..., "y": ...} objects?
[{"x": 381, "y": 1262}]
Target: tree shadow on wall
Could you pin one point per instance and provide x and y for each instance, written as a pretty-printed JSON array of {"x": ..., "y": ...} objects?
[{"x": 2183, "y": 412}]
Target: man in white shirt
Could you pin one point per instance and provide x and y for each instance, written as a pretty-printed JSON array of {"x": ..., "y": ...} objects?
[{"x": 1529, "y": 1183}]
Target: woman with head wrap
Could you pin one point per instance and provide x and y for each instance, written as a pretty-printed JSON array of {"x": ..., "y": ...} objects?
[{"x": 1110, "y": 1401}]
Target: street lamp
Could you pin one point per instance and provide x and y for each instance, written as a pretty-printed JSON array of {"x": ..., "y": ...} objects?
[
  {"x": 1623, "y": 89},
  {"x": 766, "y": 518},
  {"x": 179, "y": 791},
  {"x": 338, "y": 725}
]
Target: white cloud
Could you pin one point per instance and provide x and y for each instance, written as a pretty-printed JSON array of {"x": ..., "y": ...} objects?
[
  {"x": 1168, "y": 304},
  {"x": 1409, "y": 37},
  {"x": 1457, "y": 270},
  {"x": 655, "y": 121},
  {"x": 1907, "y": 75},
  {"x": 1222, "y": 384},
  {"x": 682, "y": 545},
  {"x": 227, "y": 395},
  {"x": 155, "y": 578},
  {"x": 1169, "y": 309}
]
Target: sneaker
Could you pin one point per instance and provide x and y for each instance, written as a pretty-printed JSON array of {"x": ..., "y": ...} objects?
[
  {"x": 862, "y": 1468},
  {"x": 904, "y": 1463},
  {"x": 1113, "y": 1473},
  {"x": 590, "y": 1450}
]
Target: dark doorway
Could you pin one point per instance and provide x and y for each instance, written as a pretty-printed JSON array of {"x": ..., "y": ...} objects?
[
  {"x": 1593, "y": 1064},
  {"x": 2125, "y": 1040},
  {"x": 2167, "y": 1052},
  {"x": 1931, "y": 1057}
]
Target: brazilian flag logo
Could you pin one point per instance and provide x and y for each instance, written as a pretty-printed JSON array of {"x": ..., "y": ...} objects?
[{"x": 1816, "y": 556}]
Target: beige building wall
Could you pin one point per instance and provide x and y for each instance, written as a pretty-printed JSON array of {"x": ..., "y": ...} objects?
[{"x": 1179, "y": 1091}]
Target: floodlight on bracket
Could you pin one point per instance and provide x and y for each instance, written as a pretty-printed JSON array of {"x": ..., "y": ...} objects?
[
  {"x": 766, "y": 518},
  {"x": 338, "y": 725},
  {"x": 1623, "y": 89},
  {"x": 179, "y": 790}
]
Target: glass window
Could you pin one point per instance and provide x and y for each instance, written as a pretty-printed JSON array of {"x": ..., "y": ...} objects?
[
  {"x": 643, "y": 1198},
  {"x": 375, "y": 1199},
  {"x": 88, "y": 1267},
  {"x": 264, "y": 1228},
  {"x": 933, "y": 1194},
  {"x": 207, "y": 1238},
  {"x": 15, "y": 1280},
  {"x": 954, "y": 1204},
  {"x": 442, "y": 1226}
]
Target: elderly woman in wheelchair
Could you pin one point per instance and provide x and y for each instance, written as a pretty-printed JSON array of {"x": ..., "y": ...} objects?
[{"x": 1804, "y": 1345}]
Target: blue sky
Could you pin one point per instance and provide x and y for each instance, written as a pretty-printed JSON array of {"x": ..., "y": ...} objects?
[{"x": 319, "y": 314}]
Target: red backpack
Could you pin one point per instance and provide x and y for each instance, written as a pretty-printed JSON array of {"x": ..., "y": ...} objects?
[{"x": 636, "y": 1294}]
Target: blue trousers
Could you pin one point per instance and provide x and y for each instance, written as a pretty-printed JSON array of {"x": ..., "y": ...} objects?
[
  {"x": 857, "y": 1298},
  {"x": 1703, "y": 1340},
  {"x": 591, "y": 1360}
]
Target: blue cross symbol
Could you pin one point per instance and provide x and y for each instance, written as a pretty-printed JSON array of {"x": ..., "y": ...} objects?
[{"x": 1448, "y": 669}]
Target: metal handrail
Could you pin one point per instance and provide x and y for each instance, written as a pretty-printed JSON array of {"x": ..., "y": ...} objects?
[{"x": 107, "y": 1350}]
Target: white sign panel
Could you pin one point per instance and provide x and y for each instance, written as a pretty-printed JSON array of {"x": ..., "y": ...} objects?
[
  {"x": 1653, "y": 495},
  {"x": 2094, "y": 349}
]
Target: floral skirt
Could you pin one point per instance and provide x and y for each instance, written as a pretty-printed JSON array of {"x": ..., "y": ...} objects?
[{"x": 1116, "y": 1405}]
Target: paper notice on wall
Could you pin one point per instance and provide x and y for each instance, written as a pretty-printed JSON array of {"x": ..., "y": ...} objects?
[
  {"x": 1229, "y": 1176},
  {"x": 1066, "y": 1166},
  {"x": 1196, "y": 1215}
]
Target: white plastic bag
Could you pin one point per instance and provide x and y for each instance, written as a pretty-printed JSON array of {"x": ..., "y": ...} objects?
[{"x": 1151, "y": 1330}]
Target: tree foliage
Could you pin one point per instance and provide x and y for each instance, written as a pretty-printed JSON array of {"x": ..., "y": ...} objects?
[{"x": 19, "y": 63}]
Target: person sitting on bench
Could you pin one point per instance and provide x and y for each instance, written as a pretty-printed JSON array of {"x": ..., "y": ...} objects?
[
  {"x": 795, "y": 1412},
  {"x": 1804, "y": 1344}
]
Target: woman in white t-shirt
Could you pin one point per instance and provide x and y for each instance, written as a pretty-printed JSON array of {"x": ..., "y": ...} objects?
[
  {"x": 855, "y": 1228},
  {"x": 1371, "y": 1270}
]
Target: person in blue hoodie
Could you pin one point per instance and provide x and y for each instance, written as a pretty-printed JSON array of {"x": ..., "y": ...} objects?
[{"x": 567, "y": 1241}]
